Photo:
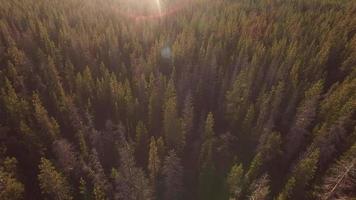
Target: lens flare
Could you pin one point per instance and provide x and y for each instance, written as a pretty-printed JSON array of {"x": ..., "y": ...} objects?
[
  {"x": 142, "y": 10},
  {"x": 159, "y": 7}
]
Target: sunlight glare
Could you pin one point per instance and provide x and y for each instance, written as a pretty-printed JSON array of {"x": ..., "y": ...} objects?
[{"x": 159, "y": 7}]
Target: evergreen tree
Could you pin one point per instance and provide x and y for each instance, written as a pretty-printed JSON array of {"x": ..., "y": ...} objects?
[
  {"x": 171, "y": 122},
  {"x": 154, "y": 162},
  {"x": 207, "y": 168},
  {"x": 48, "y": 126},
  {"x": 277, "y": 88},
  {"x": 141, "y": 144},
  {"x": 235, "y": 181},
  {"x": 339, "y": 179},
  {"x": 306, "y": 113},
  {"x": 297, "y": 185},
  {"x": 173, "y": 177},
  {"x": 83, "y": 190},
  {"x": 12, "y": 105},
  {"x": 53, "y": 184},
  {"x": 99, "y": 179},
  {"x": 131, "y": 182},
  {"x": 10, "y": 186},
  {"x": 260, "y": 188},
  {"x": 187, "y": 120}
]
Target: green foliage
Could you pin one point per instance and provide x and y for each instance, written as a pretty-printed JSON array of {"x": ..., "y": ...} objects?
[
  {"x": 83, "y": 190},
  {"x": 142, "y": 140},
  {"x": 12, "y": 105},
  {"x": 302, "y": 174},
  {"x": 259, "y": 83},
  {"x": 47, "y": 125},
  {"x": 171, "y": 122},
  {"x": 260, "y": 188},
  {"x": 10, "y": 186},
  {"x": 235, "y": 181},
  {"x": 207, "y": 168},
  {"x": 53, "y": 184},
  {"x": 173, "y": 177},
  {"x": 335, "y": 183},
  {"x": 254, "y": 168},
  {"x": 154, "y": 162},
  {"x": 131, "y": 181}
]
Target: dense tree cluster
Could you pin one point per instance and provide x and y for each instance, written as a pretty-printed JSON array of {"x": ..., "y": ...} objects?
[{"x": 205, "y": 99}]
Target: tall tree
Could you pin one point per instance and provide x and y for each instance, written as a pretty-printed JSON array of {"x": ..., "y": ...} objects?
[
  {"x": 187, "y": 120},
  {"x": 171, "y": 122},
  {"x": 99, "y": 179},
  {"x": 306, "y": 113},
  {"x": 131, "y": 182},
  {"x": 53, "y": 184},
  {"x": 13, "y": 106},
  {"x": 66, "y": 156},
  {"x": 235, "y": 181},
  {"x": 48, "y": 126},
  {"x": 142, "y": 140},
  {"x": 338, "y": 182},
  {"x": 297, "y": 185},
  {"x": 207, "y": 168},
  {"x": 173, "y": 177},
  {"x": 260, "y": 188},
  {"x": 10, "y": 187},
  {"x": 154, "y": 162}
]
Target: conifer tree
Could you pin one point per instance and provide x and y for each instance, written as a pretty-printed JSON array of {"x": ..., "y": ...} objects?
[
  {"x": 235, "y": 181},
  {"x": 173, "y": 177},
  {"x": 260, "y": 188},
  {"x": 83, "y": 190},
  {"x": 53, "y": 184},
  {"x": 12, "y": 105},
  {"x": 297, "y": 185},
  {"x": 154, "y": 162},
  {"x": 207, "y": 168},
  {"x": 131, "y": 181},
  {"x": 142, "y": 141},
  {"x": 187, "y": 120},
  {"x": 10, "y": 187},
  {"x": 171, "y": 122},
  {"x": 47, "y": 125},
  {"x": 339, "y": 179}
]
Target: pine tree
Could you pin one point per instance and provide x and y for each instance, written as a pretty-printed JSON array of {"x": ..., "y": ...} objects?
[
  {"x": 66, "y": 156},
  {"x": 187, "y": 120},
  {"x": 10, "y": 187},
  {"x": 53, "y": 184},
  {"x": 235, "y": 181},
  {"x": 155, "y": 104},
  {"x": 99, "y": 179},
  {"x": 171, "y": 122},
  {"x": 154, "y": 162},
  {"x": 131, "y": 182},
  {"x": 207, "y": 168},
  {"x": 209, "y": 127},
  {"x": 142, "y": 140},
  {"x": 13, "y": 106},
  {"x": 236, "y": 98},
  {"x": 338, "y": 181},
  {"x": 173, "y": 177},
  {"x": 47, "y": 125},
  {"x": 255, "y": 168},
  {"x": 83, "y": 190},
  {"x": 297, "y": 185},
  {"x": 280, "y": 87},
  {"x": 306, "y": 113},
  {"x": 260, "y": 188}
]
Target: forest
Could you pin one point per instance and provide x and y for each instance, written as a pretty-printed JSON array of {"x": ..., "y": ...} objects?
[{"x": 178, "y": 99}]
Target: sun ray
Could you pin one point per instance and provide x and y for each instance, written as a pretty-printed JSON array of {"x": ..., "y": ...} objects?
[{"x": 159, "y": 7}]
